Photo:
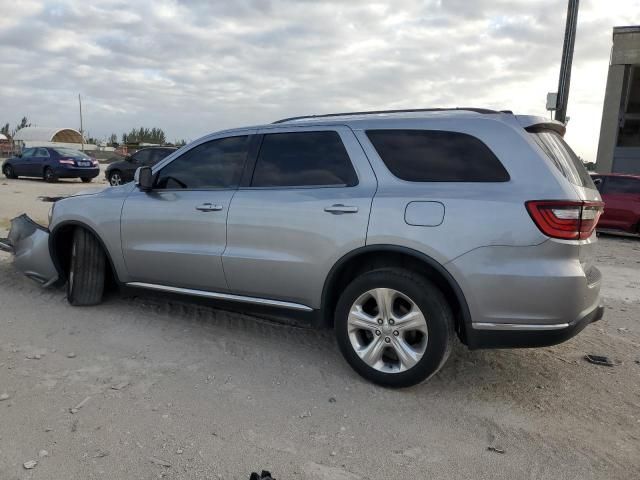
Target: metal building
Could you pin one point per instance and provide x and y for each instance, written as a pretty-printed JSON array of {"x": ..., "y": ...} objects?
[{"x": 619, "y": 147}]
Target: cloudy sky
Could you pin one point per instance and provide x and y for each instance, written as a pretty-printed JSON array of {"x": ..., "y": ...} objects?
[{"x": 192, "y": 67}]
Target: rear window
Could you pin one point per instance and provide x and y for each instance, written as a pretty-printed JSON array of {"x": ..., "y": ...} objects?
[
  {"x": 563, "y": 157},
  {"x": 69, "y": 152},
  {"x": 437, "y": 156},
  {"x": 622, "y": 185}
]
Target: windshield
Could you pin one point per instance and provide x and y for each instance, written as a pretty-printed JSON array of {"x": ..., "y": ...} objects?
[
  {"x": 563, "y": 157},
  {"x": 69, "y": 152}
]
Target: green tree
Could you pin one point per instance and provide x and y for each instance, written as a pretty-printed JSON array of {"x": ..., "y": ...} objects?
[
  {"x": 145, "y": 135},
  {"x": 5, "y": 130},
  {"x": 24, "y": 123}
]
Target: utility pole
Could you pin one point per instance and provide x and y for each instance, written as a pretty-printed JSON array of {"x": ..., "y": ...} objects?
[
  {"x": 81, "y": 130},
  {"x": 567, "y": 60}
]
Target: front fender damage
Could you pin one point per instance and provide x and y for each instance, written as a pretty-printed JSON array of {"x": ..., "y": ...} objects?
[{"x": 29, "y": 243}]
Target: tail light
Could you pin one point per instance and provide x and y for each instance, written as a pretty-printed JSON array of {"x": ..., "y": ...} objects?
[
  {"x": 565, "y": 219},
  {"x": 66, "y": 161}
]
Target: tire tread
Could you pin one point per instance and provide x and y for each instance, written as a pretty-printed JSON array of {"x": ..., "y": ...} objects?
[{"x": 88, "y": 268}]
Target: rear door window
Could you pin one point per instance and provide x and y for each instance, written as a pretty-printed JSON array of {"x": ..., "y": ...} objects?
[
  {"x": 303, "y": 159},
  {"x": 563, "y": 157},
  {"x": 437, "y": 156},
  {"x": 622, "y": 185}
]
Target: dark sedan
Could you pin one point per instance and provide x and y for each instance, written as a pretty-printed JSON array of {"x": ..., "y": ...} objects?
[
  {"x": 51, "y": 163},
  {"x": 122, "y": 172}
]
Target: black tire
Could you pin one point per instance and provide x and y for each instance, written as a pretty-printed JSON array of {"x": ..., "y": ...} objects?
[
  {"x": 85, "y": 179},
  {"x": 85, "y": 285},
  {"x": 9, "y": 172},
  {"x": 427, "y": 297},
  {"x": 49, "y": 176}
]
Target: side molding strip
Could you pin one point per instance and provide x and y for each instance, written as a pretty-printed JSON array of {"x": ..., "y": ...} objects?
[
  {"x": 519, "y": 326},
  {"x": 222, "y": 296}
]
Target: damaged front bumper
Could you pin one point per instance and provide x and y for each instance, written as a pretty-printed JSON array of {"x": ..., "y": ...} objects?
[{"x": 29, "y": 243}]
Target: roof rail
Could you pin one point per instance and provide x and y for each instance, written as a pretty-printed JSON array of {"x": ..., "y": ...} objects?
[{"x": 375, "y": 112}]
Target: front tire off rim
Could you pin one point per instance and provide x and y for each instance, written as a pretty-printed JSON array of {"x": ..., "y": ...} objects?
[{"x": 387, "y": 330}]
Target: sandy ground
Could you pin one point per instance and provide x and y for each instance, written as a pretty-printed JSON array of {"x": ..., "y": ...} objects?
[{"x": 165, "y": 389}]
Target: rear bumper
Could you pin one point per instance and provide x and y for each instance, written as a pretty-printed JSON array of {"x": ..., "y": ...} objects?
[
  {"x": 75, "y": 172},
  {"x": 29, "y": 243},
  {"x": 519, "y": 336}
]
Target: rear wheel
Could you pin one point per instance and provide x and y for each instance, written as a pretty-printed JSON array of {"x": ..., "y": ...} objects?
[
  {"x": 115, "y": 178},
  {"x": 85, "y": 179},
  {"x": 394, "y": 327},
  {"x": 49, "y": 176},
  {"x": 9, "y": 172},
  {"x": 85, "y": 285}
]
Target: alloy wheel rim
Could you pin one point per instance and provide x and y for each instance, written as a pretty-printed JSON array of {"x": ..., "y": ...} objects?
[
  {"x": 115, "y": 180},
  {"x": 387, "y": 330}
]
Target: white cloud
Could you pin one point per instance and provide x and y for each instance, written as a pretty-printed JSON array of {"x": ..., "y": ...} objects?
[{"x": 196, "y": 66}]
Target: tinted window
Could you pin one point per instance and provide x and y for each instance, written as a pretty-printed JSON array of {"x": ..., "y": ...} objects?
[
  {"x": 622, "y": 185},
  {"x": 29, "y": 152},
  {"x": 42, "y": 152},
  {"x": 303, "y": 159},
  {"x": 563, "y": 157},
  {"x": 214, "y": 164},
  {"x": 142, "y": 156},
  {"x": 69, "y": 152},
  {"x": 437, "y": 156},
  {"x": 597, "y": 181}
]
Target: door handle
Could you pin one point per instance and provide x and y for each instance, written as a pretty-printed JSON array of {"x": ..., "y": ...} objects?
[
  {"x": 209, "y": 207},
  {"x": 339, "y": 209}
]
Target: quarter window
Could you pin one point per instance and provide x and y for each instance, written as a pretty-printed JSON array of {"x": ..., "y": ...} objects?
[
  {"x": 437, "y": 156},
  {"x": 214, "y": 164},
  {"x": 301, "y": 159}
]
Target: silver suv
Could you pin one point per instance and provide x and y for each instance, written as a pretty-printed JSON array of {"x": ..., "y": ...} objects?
[{"x": 400, "y": 229}]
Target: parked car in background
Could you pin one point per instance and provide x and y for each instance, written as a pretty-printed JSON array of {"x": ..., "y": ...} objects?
[
  {"x": 401, "y": 230},
  {"x": 122, "y": 172},
  {"x": 621, "y": 195},
  {"x": 51, "y": 163}
]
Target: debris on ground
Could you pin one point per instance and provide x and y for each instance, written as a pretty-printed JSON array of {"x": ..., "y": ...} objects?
[
  {"x": 80, "y": 405},
  {"x": 159, "y": 461},
  {"x": 265, "y": 475},
  {"x": 119, "y": 386},
  {"x": 332, "y": 399},
  {"x": 45, "y": 198},
  {"x": 33, "y": 356},
  {"x": 306, "y": 414},
  {"x": 30, "y": 464},
  {"x": 43, "y": 453},
  {"x": 71, "y": 355},
  {"x": 599, "y": 360},
  {"x": 4, "y": 396},
  {"x": 495, "y": 449}
]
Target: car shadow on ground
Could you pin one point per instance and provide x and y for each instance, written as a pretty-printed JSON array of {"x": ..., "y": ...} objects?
[{"x": 519, "y": 374}]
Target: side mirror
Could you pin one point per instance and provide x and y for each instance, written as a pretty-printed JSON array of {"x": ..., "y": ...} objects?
[{"x": 144, "y": 178}]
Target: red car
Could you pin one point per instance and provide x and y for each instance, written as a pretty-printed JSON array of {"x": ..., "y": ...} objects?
[{"x": 621, "y": 196}]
